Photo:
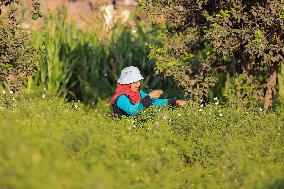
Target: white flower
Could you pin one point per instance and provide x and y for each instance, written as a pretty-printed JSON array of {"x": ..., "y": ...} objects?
[
  {"x": 260, "y": 109},
  {"x": 216, "y": 103},
  {"x": 200, "y": 110},
  {"x": 76, "y": 106},
  {"x": 25, "y": 26},
  {"x": 11, "y": 92},
  {"x": 216, "y": 98},
  {"x": 220, "y": 114},
  {"x": 43, "y": 96},
  {"x": 262, "y": 173},
  {"x": 4, "y": 92},
  {"x": 201, "y": 106}
]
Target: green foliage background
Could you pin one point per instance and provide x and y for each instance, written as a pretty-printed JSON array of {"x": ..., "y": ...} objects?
[
  {"x": 47, "y": 142},
  {"x": 85, "y": 65}
]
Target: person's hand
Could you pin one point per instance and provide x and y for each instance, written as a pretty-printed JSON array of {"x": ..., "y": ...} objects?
[
  {"x": 155, "y": 93},
  {"x": 181, "y": 102}
]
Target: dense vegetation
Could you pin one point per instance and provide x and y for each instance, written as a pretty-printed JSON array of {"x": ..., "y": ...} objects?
[
  {"x": 221, "y": 138},
  {"x": 18, "y": 56},
  {"x": 210, "y": 44},
  {"x": 86, "y": 65},
  {"x": 48, "y": 143},
  {"x": 227, "y": 52}
]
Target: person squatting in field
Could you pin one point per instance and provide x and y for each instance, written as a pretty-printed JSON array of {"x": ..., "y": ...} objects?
[{"x": 129, "y": 99}]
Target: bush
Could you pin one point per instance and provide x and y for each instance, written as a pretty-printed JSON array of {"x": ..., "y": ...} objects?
[
  {"x": 18, "y": 57},
  {"x": 204, "y": 39},
  {"x": 48, "y": 143}
]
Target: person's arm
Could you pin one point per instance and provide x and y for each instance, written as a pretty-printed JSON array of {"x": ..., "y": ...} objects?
[
  {"x": 124, "y": 103},
  {"x": 159, "y": 102}
]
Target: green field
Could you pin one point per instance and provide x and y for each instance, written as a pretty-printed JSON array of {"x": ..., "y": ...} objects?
[
  {"x": 49, "y": 143},
  {"x": 225, "y": 58}
]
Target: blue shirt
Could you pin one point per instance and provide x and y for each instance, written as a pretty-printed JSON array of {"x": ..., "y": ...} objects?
[{"x": 125, "y": 104}]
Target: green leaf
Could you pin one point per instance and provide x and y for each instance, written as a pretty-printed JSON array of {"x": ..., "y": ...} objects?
[{"x": 35, "y": 16}]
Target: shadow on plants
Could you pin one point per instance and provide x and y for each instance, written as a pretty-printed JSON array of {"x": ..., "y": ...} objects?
[{"x": 276, "y": 185}]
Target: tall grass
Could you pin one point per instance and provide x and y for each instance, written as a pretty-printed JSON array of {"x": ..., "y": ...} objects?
[{"x": 86, "y": 65}]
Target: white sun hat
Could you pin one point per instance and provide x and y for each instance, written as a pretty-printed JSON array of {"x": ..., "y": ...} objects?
[{"x": 129, "y": 75}]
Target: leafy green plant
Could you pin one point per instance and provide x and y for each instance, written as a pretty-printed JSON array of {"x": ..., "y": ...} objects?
[
  {"x": 7, "y": 99},
  {"x": 194, "y": 72},
  {"x": 57, "y": 67}
]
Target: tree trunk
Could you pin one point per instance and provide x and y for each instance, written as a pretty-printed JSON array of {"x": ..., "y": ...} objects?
[
  {"x": 235, "y": 77},
  {"x": 271, "y": 82},
  {"x": 246, "y": 70}
]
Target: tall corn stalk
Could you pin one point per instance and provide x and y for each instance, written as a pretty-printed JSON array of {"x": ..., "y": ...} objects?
[{"x": 57, "y": 67}]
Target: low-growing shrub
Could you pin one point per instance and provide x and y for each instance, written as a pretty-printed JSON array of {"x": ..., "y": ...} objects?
[{"x": 49, "y": 143}]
